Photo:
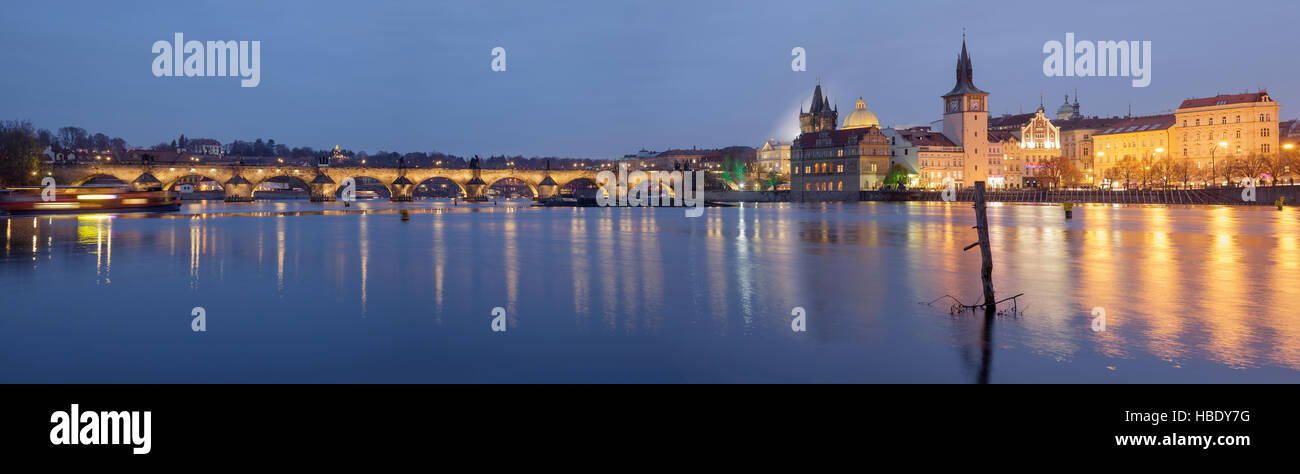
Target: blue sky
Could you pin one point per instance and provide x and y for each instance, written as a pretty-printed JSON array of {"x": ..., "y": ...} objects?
[{"x": 600, "y": 79}]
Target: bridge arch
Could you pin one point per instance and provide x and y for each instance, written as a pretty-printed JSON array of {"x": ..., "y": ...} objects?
[
  {"x": 571, "y": 186},
  {"x": 294, "y": 180},
  {"x": 436, "y": 186},
  {"x": 513, "y": 181},
  {"x": 364, "y": 182},
  {"x": 176, "y": 181},
  {"x": 88, "y": 178}
]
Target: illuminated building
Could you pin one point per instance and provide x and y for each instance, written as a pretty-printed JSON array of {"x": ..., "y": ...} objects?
[
  {"x": 1211, "y": 131},
  {"x": 965, "y": 122},
  {"x": 829, "y": 164},
  {"x": 1125, "y": 151},
  {"x": 774, "y": 156}
]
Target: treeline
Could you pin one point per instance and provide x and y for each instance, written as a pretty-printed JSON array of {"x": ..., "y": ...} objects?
[
  {"x": 78, "y": 138},
  {"x": 20, "y": 151}
]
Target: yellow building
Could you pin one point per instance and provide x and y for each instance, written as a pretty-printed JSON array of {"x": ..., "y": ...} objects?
[
  {"x": 1126, "y": 151},
  {"x": 927, "y": 155},
  {"x": 774, "y": 156},
  {"x": 1214, "y": 131}
]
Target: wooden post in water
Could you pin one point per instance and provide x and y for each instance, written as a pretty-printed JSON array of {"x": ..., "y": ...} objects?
[{"x": 986, "y": 254}]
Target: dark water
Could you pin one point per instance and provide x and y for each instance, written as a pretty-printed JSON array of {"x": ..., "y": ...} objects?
[{"x": 305, "y": 292}]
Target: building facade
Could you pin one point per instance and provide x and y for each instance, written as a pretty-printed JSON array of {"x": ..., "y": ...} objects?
[
  {"x": 1222, "y": 129},
  {"x": 965, "y": 122},
  {"x": 1127, "y": 151},
  {"x": 774, "y": 156}
]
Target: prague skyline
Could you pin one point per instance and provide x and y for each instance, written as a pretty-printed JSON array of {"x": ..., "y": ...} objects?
[{"x": 417, "y": 78}]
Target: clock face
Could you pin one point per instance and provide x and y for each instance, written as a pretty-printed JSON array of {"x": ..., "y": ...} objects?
[
  {"x": 952, "y": 105},
  {"x": 975, "y": 105}
]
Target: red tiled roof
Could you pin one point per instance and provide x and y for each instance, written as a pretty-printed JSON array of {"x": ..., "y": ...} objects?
[
  {"x": 1087, "y": 123},
  {"x": 996, "y": 136},
  {"x": 838, "y": 137},
  {"x": 1139, "y": 124},
  {"x": 1225, "y": 99},
  {"x": 925, "y": 137}
]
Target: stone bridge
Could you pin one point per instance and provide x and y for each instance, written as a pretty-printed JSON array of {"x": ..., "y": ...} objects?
[{"x": 240, "y": 182}]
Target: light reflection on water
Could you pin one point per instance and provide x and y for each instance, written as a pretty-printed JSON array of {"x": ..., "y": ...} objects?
[{"x": 356, "y": 294}]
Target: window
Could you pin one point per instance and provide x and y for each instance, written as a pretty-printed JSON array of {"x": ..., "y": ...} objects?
[
  {"x": 1238, "y": 133},
  {"x": 1263, "y": 148}
]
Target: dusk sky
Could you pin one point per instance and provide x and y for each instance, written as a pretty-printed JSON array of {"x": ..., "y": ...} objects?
[{"x": 601, "y": 79}]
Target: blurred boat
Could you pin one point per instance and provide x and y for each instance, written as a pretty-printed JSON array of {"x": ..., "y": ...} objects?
[{"x": 85, "y": 199}]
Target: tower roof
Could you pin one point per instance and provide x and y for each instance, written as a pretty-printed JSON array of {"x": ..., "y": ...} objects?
[
  {"x": 818, "y": 102},
  {"x": 965, "y": 74}
]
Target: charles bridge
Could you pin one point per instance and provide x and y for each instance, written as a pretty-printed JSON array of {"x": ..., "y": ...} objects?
[{"x": 240, "y": 182}]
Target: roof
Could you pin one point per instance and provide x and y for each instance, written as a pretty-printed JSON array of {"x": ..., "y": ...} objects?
[
  {"x": 1093, "y": 123},
  {"x": 1289, "y": 128},
  {"x": 1226, "y": 99},
  {"x": 838, "y": 137},
  {"x": 996, "y": 136},
  {"x": 921, "y": 136},
  {"x": 1010, "y": 121},
  {"x": 965, "y": 75},
  {"x": 1140, "y": 124}
]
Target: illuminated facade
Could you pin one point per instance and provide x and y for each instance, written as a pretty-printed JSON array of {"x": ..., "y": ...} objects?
[
  {"x": 965, "y": 122},
  {"x": 1125, "y": 151},
  {"x": 1224, "y": 128},
  {"x": 928, "y": 155},
  {"x": 774, "y": 156}
]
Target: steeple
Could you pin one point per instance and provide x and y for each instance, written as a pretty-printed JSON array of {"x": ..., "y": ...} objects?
[
  {"x": 817, "y": 100},
  {"x": 965, "y": 73}
]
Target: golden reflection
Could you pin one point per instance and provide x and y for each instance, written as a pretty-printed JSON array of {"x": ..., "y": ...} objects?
[
  {"x": 511, "y": 260},
  {"x": 439, "y": 260},
  {"x": 581, "y": 261},
  {"x": 279, "y": 255},
  {"x": 364, "y": 236}
]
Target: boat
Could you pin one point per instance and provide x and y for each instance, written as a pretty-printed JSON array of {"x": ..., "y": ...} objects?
[
  {"x": 85, "y": 199},
  {"x": 367, "y": 194}
]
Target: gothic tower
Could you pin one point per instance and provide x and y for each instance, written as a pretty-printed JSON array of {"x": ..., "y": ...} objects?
[
  {"x": 965, "y": 120},
  {"x": 820, "y": 116}
]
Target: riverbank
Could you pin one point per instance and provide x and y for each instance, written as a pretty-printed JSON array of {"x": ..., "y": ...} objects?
[{"x": 1264, "y": 196}]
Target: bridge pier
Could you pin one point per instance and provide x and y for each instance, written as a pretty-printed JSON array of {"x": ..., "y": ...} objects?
[
  {"x": 322, "y": 188},
  {"x": 238, "y": 189},
  {"x": 402, "y": 190},
  {"x": 475, "y": 189},
  {"x": 547, "y": 187},
  {"x": 146, "y": 182}
]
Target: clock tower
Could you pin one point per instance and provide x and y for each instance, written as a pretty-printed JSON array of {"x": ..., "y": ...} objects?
[{"x": 965, "y": 121}]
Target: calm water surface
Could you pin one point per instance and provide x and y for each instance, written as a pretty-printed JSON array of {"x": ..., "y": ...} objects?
[{"x": 307, "y": 292}]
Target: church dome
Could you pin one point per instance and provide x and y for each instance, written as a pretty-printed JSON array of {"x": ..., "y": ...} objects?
[
  {"x": 1065, "y": 110},
  {"x": 860, "y": 117}
]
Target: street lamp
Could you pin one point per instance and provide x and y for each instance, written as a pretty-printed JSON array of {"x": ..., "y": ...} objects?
[{"x": 1214, "y": 175}]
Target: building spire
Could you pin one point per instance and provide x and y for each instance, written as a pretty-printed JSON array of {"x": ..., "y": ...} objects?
[{"x": 965, "y": 72}]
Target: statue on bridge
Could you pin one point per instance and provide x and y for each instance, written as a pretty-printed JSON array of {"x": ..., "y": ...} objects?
[{"x": 473, "y": 162}]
